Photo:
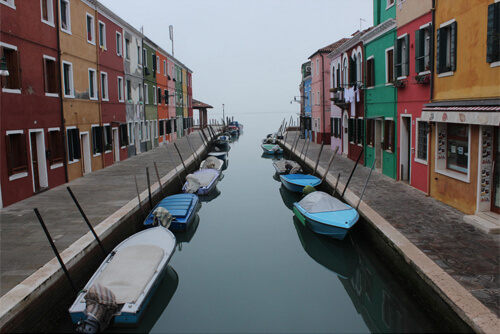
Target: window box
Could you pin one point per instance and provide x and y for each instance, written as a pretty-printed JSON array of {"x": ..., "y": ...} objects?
[
  {"x": 422, "y": 79},
  {"x": 399, "y": 83}
]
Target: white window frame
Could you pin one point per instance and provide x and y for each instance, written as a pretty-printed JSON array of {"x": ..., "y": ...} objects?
[
  {"x": 54, "y": 60},
  {"x": 103, "y": 43},
  {"x": 104, "y": 126},
  {"x": 417, "y": 128},
  {"x": 387, "y": 83},
  {"x": 158, "y": 64},
  {"x": 144, "y": 57},
  {"x": 50, "y": 12},
  {"x": 71, "y": 82},
  {"x": 448, "y": 49},
  {"x": 139, "y": 56},
  {"x": 96, "y": 96},
  {"x": 146, "y": 94},
  {"x": 127, "y": 49},
  {"x": 11, "y": 90},
  {"x": 104, "y": 87},
  {"x": 8, "y": 3},
  {"x": 164, "y": 68},
  {"x": 389, "y": 4},
  {"x": 92, "y": 136},
  {"x": 403, "y": 51},
  {"x": 154, "y": 95},
  {"x": 121, "y": 92},
  {"x": 119, "y": 44},
  {"x": 141, "y": 93},
  {"x": 131, "y": 133},
  {"x": 22, "y": 174},
  {"x": 440, "y": 165},
  {"x": 60, "y": 164},
  {"x": 67, "y": 145},
  {"x": 68, "y": 17},
  {"x": 92, "y": 31}
]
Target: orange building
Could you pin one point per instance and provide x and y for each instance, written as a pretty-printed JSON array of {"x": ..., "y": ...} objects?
[{"x": 464, "y": 113}]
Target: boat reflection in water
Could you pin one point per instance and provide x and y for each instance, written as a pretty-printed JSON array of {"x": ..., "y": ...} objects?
[
  {"x": 377, "y": 296},
  {"x": 288, "y": 197},
  {"x": 211, "y": 195},
  {"x": 156, "y": 306},
  {"x": 185, "y": 237}
]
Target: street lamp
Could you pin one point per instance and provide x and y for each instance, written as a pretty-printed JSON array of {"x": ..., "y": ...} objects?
[
  {"x": 223, "y": 116},
  {"x": 4, "y": 72}
]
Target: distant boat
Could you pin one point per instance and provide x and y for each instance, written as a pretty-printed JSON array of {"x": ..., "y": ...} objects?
[
  {"x": 213, "y": 163},
  {"x": 297, "y": 182},
  {"x": 201, "y": 182},
  {"x": 182, "y": 207},
  {"x": 218, "y": 154},
  {"x": 287, "y": 167},
  {"x": 272, "y": 149},
  {"x": 325, "y": 214},
  {"x": 124, "y": 283},
  {"x": 233, "y": 130},
  {"x": 222, "y": 141}
]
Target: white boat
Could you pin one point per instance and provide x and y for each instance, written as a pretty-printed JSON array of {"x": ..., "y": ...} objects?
[
  {"x": 212, "y": 163},
  {"x": 201, "y": 182},
  {"x": 124, "y": 283}
]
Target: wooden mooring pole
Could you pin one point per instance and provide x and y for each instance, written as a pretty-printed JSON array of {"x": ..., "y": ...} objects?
[
  {"x": 319, "y": 155},
  {"x": 159, "y": 180},
  {"x": 329, "y": 164},
  {"x": 352, "y": 172}
]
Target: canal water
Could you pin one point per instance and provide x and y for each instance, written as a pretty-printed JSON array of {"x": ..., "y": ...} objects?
[{"x": 249, "y": 266}]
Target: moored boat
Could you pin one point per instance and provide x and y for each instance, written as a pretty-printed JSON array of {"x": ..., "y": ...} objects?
[
  {"x": 212, "y": 162},
  {"x": 297, "y": 182},
  {"x": 287, "y": 167},
  {"x": 201, "y": 182},
  {"x": 272, "y": 149},
  {"x": 182, "y": 207},
  {"x": 325, "y": 214}
]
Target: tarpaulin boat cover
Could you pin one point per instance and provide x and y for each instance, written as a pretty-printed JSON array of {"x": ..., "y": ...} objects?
[
  {"x": 130, "y": 270},
  {"x": 320, "y": 201},
  {"x": 100, "y": 303},
  {"x": 193, "y": 184},
  {"x": 162, "y": 217},
  {"x": 211, "y": 162}
]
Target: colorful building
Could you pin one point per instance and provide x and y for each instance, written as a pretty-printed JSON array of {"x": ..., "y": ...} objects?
[
  {"x": 464, "y": 113},
  {"x": 380, "y": 95},
  {"x": 320, "y": 87},
  {"x": 152, "y": 94},
  {"x": 305, "y": 101},
  {"x": 32, "y": 154},
  {"x": 412, "y": 72}
]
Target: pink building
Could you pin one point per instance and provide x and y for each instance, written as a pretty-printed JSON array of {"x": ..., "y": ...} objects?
[{"x": 320, "y": 92}]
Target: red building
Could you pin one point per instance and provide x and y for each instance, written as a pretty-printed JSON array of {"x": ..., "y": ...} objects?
[
  {"x": 412, "y": 71},
  {"x": 32, "y": 156},
  {"x": 111, "y": 74}
]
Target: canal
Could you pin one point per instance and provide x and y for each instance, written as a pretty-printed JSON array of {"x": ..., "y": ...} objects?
[{"x": 249, "y": 266}]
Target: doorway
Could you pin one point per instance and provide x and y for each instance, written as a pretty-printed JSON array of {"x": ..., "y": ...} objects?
[
  {"x": 38, "y": 161},
  {"x": 345, "y": 133},
  {"x": 378, "y": 143},
  {"x": 405, "y": 149},
  {"x": 116, "y": 146},
  {"x": 85, "y": 143}
]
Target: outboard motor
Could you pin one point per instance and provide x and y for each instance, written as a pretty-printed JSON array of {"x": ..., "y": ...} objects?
[{"x": 100, "y": 308}]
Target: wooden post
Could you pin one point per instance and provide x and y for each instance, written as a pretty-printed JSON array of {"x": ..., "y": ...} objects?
[
  {"x": 178, "y": 152},
  {"x": 329, "y": 164},
  {"x": 159, "y": 180},
  {"x": 366, "y": 183},
  {"x": 195, "y": 156},
  {"x": 173, "y": 163},
  {"x": 352, "y": 172},
  {"x": 302, "y": 150},
  {"x": 292, "y": 146},
  {"x": 149, "y": 189},
  {"x": 336, "y": 184},
  {"x": 307, "y": 149},
  {"x": 203, "y": 141},
  {"x": 319, "y": 155},
  {"x": 139, "y": 198}
]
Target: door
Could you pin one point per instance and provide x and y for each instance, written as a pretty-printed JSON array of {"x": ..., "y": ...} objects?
[
  {"x": 345, "y": 133},
  {"x": 138, "y": 137},
  {"x": 378, "y": 143},
  {"x": 34, "y": 162},
  {"x": 38, "y": 161},
  {"x": 116, "y": 145},
  {"x": 495, "y": 189},
  {"x": 85, "y": 147},
  {"x": 404, "y": 149}
]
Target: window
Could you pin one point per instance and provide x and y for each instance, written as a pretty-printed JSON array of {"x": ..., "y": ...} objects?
[
  {"x": 97, "y": 143},
  {"x": 123, "y": 134},
  {"x": 493, "y": 35},
  {"x": 47, "y": 9},
  {"x": 359, "y": 131},
  {"x": 73, "y": 139},
  {"x": 390, "y": 3},
  {"x": 65, "y": 16},
  {"x": 154, "y": 94},
  {"x": 370, "y": 72},
  {"x": 90, "y": 29},
  {"x": 423, "y": 49},
  {"x": 446, "y": 44},
  {"x": 139, "y": 60},
  {"x": 92, "y": 84},
  {"x": 159, "y": 95},
  {"x": 12, "y": 56},
  {"x": 345, "y": 79},
  {"x": 127, "y": 49},
  {"x": 104, "y": 86},
  {"x": 457, "y": 147},
  {"x": 129, "y": 91},
  {"x": 119, "y": 43},
  {"x": 389, "y": 135},
  {"x": 130, "y": 133},
  {"x": 102, "y": 35},
  {"x": 144, "y": 58},
  {"x": 120, "y": 89},
  {"x": 153, "y": 64},
  {"x": 9, "y": 3},
  {"x": 146, "y": 94},
  {"x": 158, "y": 64},
  {"x": 68, "y": 79},
  {"x": 162, "y": 128},
  {"x": 56, "y": 152},
  {"x": 389, "y": 65},
  {"x": 352, "y": 71},
  {"x": 17, "y": 155},
  {"x": 351, "y": 130},
  {"x": 141, "y": 95},
  {"x": 167, "y": 98},
  {"x": 401, "y": 66},
  {"x": 423, "y": 137},
  {"x": 50, "y": 76},
  {"x": 108, "y": 139},
  {"x": 317, "y": 66},
  {"x": 165, "y": 68},
  {"x": 336, "y": 127},
  {"x": 370, "y": 132}
]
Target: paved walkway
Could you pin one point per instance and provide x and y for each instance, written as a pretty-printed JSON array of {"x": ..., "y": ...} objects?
[
  {"x": 468, "y": 255},
  {"x": 23, "y": 245}
]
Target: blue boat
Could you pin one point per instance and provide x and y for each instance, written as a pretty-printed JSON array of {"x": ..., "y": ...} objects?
[
  {"x": 272, "y": 149},
  {"x": 325, "y": 214},
  {"x": 182, "y": 207},
  {"x": 121, "y": 288},
  {"x": 297, "y": 182}
]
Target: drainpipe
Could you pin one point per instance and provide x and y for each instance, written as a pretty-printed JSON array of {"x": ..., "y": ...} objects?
[
  {"x": 431, "y": 95},
  {"x": 64, "y": 138},
  {"x": 99, "y": 88},
  {"x": 323, "y": 91}
]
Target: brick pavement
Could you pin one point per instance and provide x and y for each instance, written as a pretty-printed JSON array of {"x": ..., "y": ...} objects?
[{"x": 469, "y": 256}]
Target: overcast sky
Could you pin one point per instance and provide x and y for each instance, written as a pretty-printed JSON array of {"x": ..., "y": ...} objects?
[{"x": 245, "y": 54}]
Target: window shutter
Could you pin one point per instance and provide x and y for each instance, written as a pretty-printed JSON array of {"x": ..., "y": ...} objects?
[
  {"x": 453, "y": 51},
  {"x": 397, "y": 58},
  {"x": 418, "y": 51},
  {"x": 58, "y": 157},
  {"x": 493, "y": 36},
  {"x": 352, "y": 71},
  {"x": 407, "y": 56},
  {"x": 440, "y": 61},
  {"x": 23, "y": 159},
  {"x": 51, "y": 151},
  {"x": 9, "y": 154},
  {"x": 76, "y": 144}
]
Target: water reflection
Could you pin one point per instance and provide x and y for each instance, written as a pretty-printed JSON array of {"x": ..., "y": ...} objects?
[
  {"x": 287, "y": 196},
  {"x": 185, "y": 237},
  {"x": 213, "y": 194},
  {"x": 156, "y": 306}
]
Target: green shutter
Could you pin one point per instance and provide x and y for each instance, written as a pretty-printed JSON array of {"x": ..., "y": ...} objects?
[
  {"x": 352, "y": 71},
  {"x": 407, "y": 56},
  {"x": 440, "y": 56},
  {"x": 453, "y": 51},
  {"x": 397, "y": 59},
  {"x": 419, "y": 50},
  {"x": 493, "y": 35}
]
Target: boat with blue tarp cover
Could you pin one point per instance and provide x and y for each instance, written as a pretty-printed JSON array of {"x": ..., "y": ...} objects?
[
  {"x": 182, "y": 207},
  {"x": 297, "y": 182}
]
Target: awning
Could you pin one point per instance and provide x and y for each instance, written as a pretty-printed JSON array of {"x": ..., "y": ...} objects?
[{"x": 479, "y": 115}]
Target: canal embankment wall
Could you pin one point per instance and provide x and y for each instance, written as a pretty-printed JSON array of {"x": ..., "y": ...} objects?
[
  {"x": 32, "y": 304},
  {"x": 440, "y": 292}
]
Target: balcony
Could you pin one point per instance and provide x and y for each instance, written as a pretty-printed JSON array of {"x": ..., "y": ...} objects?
[{"x": 338, "y": 98}]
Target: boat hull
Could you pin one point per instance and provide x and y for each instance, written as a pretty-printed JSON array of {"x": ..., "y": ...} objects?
[
  {"x": 297, "y": 182},
  {"x": 182, "y": 207},
  {"x": 205, "y": 189},
  {"x": 268, "y": 149}
]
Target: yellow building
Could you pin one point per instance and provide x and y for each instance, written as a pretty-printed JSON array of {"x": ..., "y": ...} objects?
[
  {"x": 464, "y": 113},
  {"x": 80, "y": 84}
]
